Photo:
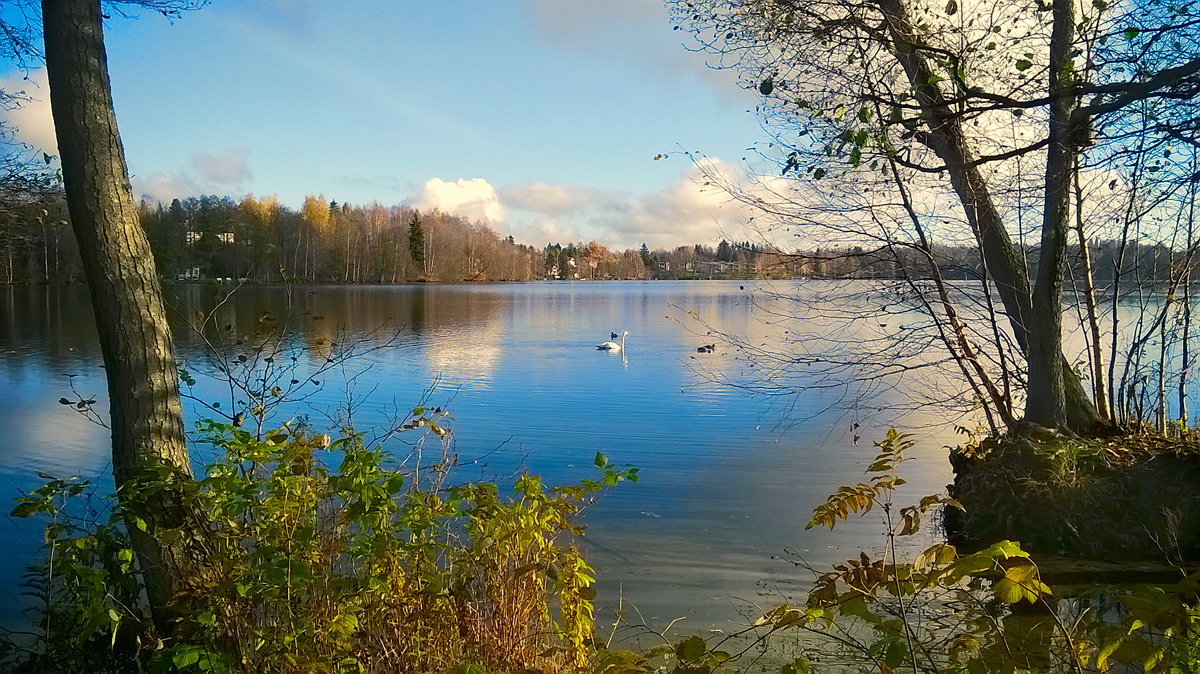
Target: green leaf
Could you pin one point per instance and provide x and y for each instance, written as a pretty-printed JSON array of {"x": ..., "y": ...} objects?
[
  {"x": 691, "y": 649},
  {"x": 601, "y": 460},
  {"x": 767, "y": 86},
  {"x": 970, "y": 565},
  {"x": 864, "y": 115},
  {"x": 1131, "y": 33},
  {"x": 25, "y": 509},
  {"x": 394, "y": 484},
  {"x": 839, "y": 112},
  {"x": 1100, "y": 5},
  {"x": 1006, "y": 549},
  {"x": 934, "y": 79},
  {"x": 186, "y": 658},
  {"x": 1008, "y": 591},
  {"x": 1022, "y": 573},
  {"x": 818, "y": 174},
  {"x": 883, "y": 465},
  {"x": 1024, "y": 64},
  {"x": 1020, "y": 582},
  {"x": 347, "y": 622},
  {"x": 951, "y": 8},
  {"x": 1105, "y": 651}
]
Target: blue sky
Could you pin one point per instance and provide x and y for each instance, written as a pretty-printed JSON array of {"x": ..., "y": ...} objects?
[{"x": 540, "y": 117}]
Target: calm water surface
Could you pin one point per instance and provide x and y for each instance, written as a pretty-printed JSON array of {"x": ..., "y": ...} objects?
[{"x": 728, "y": 478}]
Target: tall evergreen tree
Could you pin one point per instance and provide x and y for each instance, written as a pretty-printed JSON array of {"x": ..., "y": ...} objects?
[
  {"x": 416, "y": 239},
  {"x": 724, "y": 251}
]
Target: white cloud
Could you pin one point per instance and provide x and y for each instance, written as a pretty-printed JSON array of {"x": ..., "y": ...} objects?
[
  {"x": 470, "y": 198},
  {"x": 32, "y": 121},
  {"x": 542, "y": 231},
  {"x": 684, "y": 212},
  {"x": 229, "y": 168},
  {"x": 223, "y": 174},
  {"x": 163, "y": 187},
  {"x": 541, "y": 197}
]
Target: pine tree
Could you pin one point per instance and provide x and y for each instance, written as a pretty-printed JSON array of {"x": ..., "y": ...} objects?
[
  {"x": 724, "y": 251},
  {"x": 416, "y": 239}
]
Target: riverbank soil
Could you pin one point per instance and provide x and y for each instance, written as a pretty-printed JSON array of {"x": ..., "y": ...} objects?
[{"x": 1126, "y": 497}]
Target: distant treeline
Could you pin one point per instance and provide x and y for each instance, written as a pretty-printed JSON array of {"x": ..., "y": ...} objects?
[{"x": 262, "y": 241}]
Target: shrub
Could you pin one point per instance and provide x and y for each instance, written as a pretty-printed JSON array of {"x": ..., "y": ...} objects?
[{"x": 315, "y": 568}]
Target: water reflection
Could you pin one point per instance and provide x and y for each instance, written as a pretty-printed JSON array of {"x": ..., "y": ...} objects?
[
  {"x": 52, "y": 327},
  {"x": 725, "y": 487}
]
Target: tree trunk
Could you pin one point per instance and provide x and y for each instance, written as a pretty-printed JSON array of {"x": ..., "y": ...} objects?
[
  {"x": 147, "y": 420},
  {"x": 1046, "y": 401},
  {"x": 1187, "y": 308},
  {"x": 1071, "y": 408},
  {"x": 946, "y": 138},
  {"x": 1099, "y": 394}
]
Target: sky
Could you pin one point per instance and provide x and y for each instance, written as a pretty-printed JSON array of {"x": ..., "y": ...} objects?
[{"x": 541, "y": 118}]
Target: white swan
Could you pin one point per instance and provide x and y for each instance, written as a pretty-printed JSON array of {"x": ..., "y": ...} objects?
[{"x": 613, "y": 346}]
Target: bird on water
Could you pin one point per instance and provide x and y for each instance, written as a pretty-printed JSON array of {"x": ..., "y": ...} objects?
[{"x": 613, "y": 346}]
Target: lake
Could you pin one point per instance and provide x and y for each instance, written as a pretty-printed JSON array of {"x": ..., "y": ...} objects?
[{"x": 729, "y": 474}]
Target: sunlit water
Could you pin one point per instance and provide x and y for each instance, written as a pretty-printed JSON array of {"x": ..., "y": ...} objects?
[{"x": 728, "y": 477}]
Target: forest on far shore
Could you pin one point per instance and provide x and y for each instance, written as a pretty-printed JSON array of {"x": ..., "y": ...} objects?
[{"x": 260, "y": 240}]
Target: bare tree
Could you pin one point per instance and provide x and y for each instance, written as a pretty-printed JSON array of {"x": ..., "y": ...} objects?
[{"x": 963, "y": 100}]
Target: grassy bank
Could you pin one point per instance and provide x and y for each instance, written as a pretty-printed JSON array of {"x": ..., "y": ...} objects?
[{"x": 1130, "y": 496}]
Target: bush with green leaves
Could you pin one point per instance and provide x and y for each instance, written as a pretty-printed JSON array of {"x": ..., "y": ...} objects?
[{"x": 322, "y": 557}]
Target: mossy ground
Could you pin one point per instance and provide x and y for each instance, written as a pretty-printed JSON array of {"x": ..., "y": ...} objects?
[{"x": 1131, "y": 496}]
